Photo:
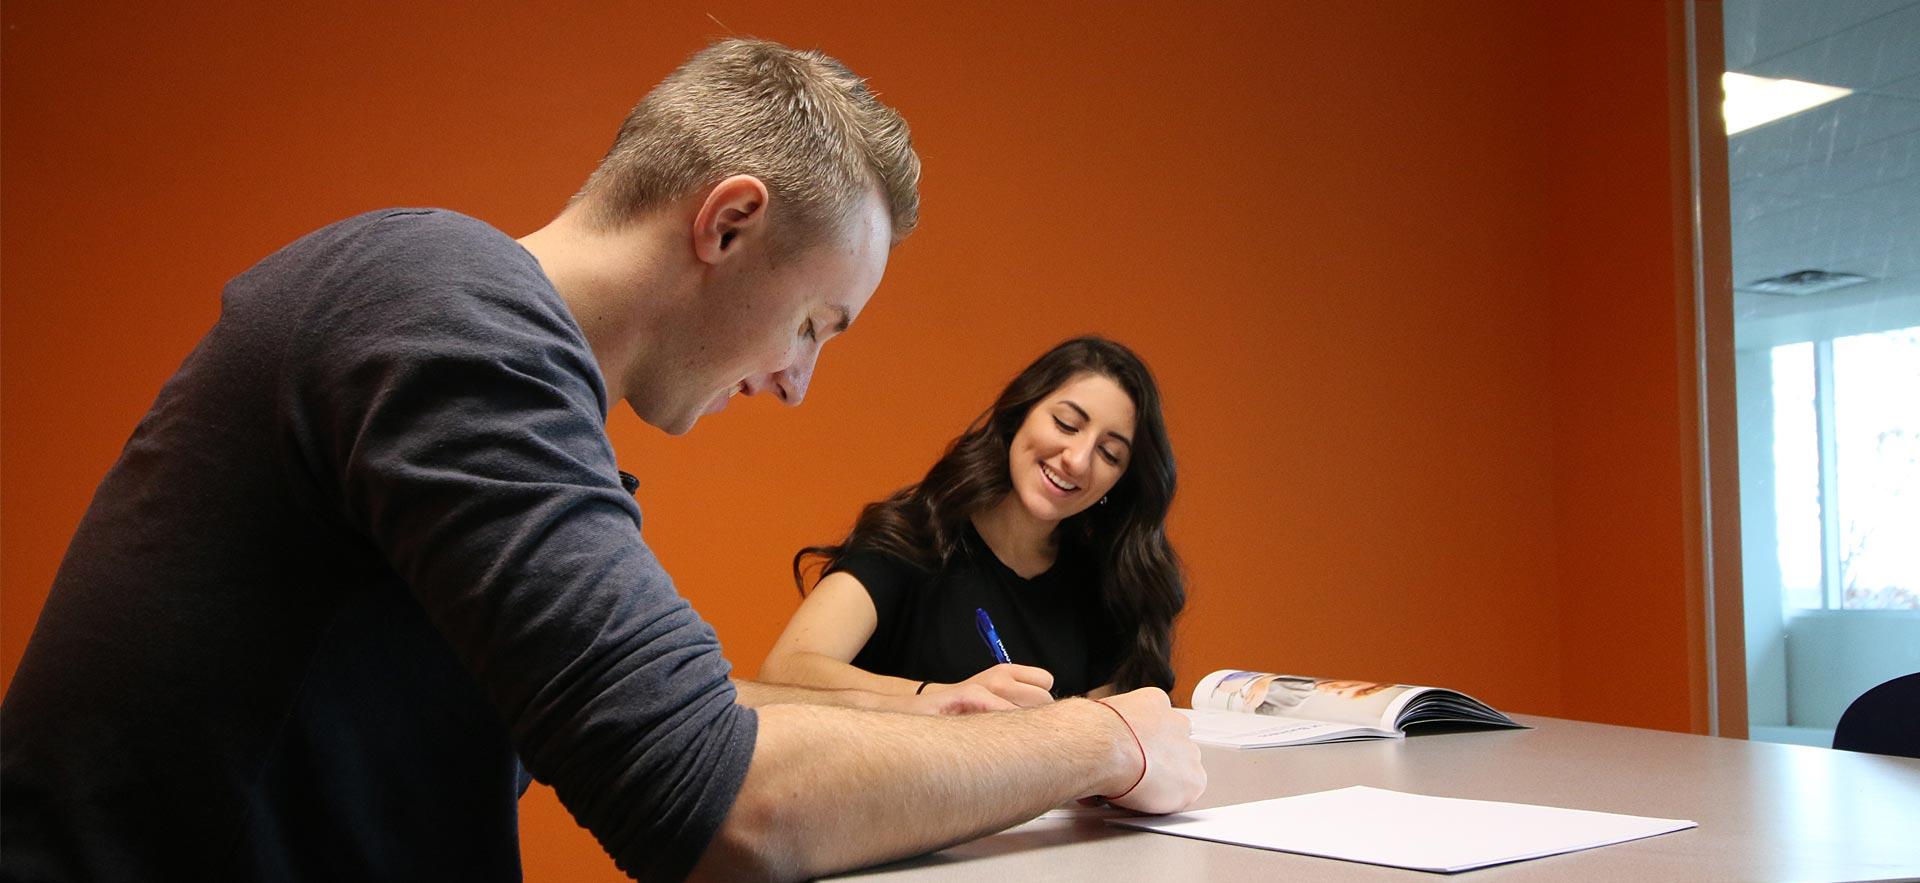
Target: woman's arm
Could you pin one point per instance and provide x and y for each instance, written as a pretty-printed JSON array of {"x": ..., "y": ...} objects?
[
  {"x": 835, "y": 621},
  {"x": 828, "y": 630}
]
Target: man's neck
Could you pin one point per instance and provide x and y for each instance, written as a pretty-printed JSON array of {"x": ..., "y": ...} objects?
[{"x": 616, "y": 283}]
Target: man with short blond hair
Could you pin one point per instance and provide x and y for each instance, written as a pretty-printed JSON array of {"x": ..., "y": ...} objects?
[
  {"x": 818, "y": 154},
  {"x": 370, "y": 545}
]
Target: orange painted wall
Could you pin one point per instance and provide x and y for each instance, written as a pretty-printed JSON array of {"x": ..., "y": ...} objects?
[
  {"x": 1412, "y": 309},
  {"x": 1623, "y": 387}
]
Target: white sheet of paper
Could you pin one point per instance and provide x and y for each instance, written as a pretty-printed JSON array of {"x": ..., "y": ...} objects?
[
  {"x": 1234, "y": 729},
  {"x": 1382, "y": 827}
]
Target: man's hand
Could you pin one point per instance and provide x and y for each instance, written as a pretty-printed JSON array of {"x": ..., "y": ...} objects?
[
  {"x": 831, "y": 788},
  {"x": 1174, "y": 777},
  {"x": 1022, "y": 685}
]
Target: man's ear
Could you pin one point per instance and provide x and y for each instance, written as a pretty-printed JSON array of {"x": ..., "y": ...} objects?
[{"x": 734, "y": 210}]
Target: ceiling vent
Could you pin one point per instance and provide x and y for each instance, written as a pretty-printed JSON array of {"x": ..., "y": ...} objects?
[{"x": 1801, "y": 283}]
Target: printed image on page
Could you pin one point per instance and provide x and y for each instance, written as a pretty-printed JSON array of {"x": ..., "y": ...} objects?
[{"x": 1358, "y": 702}]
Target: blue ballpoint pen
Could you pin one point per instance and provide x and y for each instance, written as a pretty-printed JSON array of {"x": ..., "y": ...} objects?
[{"x": 985, "y": 623}]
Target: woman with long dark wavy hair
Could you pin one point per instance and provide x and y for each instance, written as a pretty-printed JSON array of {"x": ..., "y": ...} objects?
[{"x": 1032, "y": 559}]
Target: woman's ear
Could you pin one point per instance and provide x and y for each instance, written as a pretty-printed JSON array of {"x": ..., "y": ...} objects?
[{"x": 733, "y": 213}]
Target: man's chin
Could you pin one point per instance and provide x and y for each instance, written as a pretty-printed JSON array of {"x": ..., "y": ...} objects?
[
  {"x": 671, "y": 424},
  {"x": 680, "y": 426}
]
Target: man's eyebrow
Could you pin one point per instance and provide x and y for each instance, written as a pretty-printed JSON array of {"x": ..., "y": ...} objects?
[
  {"x": 1085, "y": 416},
  {"x": 846, "y": 317}
]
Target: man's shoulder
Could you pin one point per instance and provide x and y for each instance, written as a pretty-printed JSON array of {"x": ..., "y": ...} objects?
[
  {"x": 402, "y": 282},
  {"x": 423, "y": 221},
  {"x": 400, "y": 258},
  {"x": 421, "y": 233}
]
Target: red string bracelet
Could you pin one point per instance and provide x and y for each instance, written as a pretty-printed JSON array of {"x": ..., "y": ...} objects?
[{"x": 1136, "y": 744}]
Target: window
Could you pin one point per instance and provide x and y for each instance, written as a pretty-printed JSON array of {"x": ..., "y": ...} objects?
[
  {"x": 1826, "y": 327},
  {"x": 1846, "y": 463}
]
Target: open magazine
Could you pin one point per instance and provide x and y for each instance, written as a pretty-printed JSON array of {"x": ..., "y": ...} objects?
[{"x": 1252, "y": 709}]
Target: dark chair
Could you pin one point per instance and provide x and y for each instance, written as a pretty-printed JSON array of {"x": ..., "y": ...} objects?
[{"x": 1884, "y": 720}]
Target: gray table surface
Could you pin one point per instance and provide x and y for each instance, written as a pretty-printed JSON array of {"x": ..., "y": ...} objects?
[{"x": 1766, "y": 811}]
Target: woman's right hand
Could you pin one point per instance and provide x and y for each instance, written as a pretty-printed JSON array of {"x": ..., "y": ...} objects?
[{"x": 1022, "y": 685}]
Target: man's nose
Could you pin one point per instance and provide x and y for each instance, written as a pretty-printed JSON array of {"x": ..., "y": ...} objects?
[{"x": 790, "y": 385}]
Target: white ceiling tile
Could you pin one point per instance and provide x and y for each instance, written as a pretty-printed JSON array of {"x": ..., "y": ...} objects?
[
  {"x": 1876, "y": 240},
  {"x": 1749, "y": 203},
  {"x": 1837, "y": 187},
  {"x": 1759, "y": 30},
  {"x": 1908, "y": 87},
  {"x": 1827, "y": 135},
  {"x": 1869, "y": 53},
  {"x": 1899, "y": 197},
  {"x": 1871, "y": 166}
]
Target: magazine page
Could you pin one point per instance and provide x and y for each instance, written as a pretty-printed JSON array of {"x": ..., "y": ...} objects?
[
  {"x": 1431, "y": 705},
  {"x": 1234, "y": 730},
  {"x": 1365, "y": 703}
]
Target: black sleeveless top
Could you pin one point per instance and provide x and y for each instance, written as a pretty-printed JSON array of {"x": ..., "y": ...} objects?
[{"x": 926, "y": 628}]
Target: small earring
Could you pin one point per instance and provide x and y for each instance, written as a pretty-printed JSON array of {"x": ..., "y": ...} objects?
[{"x": 1103, "y": 499}]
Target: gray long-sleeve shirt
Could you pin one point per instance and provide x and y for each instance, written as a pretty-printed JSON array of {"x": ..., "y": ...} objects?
[{"x": 368, "y": 544}]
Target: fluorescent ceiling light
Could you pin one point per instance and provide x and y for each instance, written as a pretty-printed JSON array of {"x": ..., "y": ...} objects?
[{"x": 1753, "y": 101}]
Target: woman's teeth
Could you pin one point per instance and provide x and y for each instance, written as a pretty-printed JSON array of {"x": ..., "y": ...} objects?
[{"x": 1057, "y": 481}]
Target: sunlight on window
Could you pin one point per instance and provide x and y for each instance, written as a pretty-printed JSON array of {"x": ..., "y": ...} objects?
[
  {"x": 1796, "y": 485},
  {"x": 1876, "y": 414}
]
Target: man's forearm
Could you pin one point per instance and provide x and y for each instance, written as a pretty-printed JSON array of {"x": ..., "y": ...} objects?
[{"x": 831, "y": 789}]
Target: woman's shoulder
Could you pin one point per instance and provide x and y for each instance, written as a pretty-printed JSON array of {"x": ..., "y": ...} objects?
[{"x": 877, "y": 567}]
